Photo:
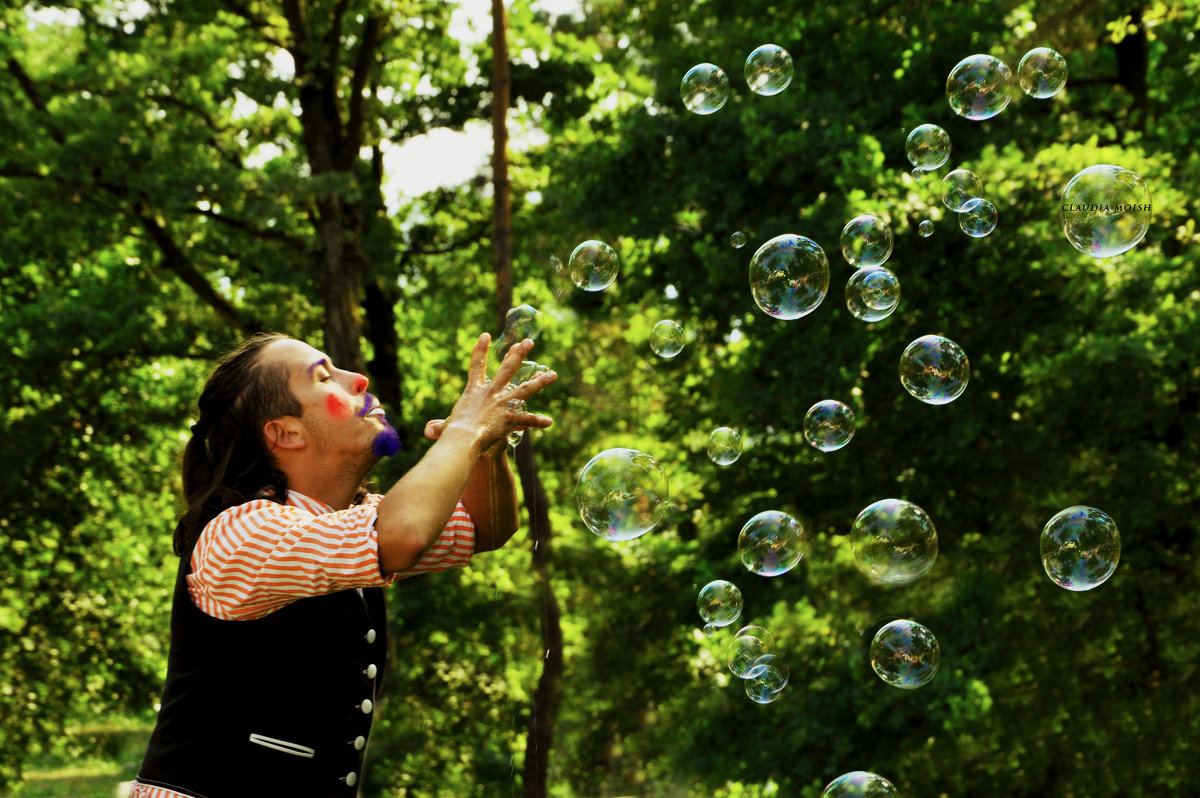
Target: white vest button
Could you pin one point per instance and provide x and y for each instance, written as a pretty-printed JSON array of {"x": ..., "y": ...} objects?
[
  {"x": 370, "y": 635},
  {"x": 366, "y": 706},
  {"x": 371, "y": 671},
  {"x": 350, "y": 778},
  {"x": 359, "y": 742}
]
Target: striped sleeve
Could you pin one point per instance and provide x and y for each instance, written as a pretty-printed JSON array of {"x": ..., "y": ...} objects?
[
  {"x": 139, "y": 790},
  {"x": 258, "y": 557}
]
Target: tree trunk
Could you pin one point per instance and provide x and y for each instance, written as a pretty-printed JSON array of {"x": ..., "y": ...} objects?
[
  {"x": 1133, "y": 65},
  {"x": 502, "y": 205}
]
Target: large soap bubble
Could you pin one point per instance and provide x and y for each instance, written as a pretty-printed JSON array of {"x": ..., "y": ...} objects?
[
  {"x": 961, "y": 189},
  {"x": 905, "y": 654},
  {"x": 893, "y": 541},
  {"x": 704, "y": 89},
  {"x": 789, "y": 276},
  {"x": 768, "y": 70},
  {"x": 593, "y": 265},
  {"x": 859, "y": 784},
  {"x": 927, "y": 147},
  {"x": 866, "y": 241},
  {"x": 719, "y": 602},
  {"x": 621, "y": 494},
  {"x": 771, "y": 543},
  {"x": 979, "y": 87},
  {"x": 1105, "y": 210},
  {"x": 1042, "y": 73},
  {"x": 934, "y": 369},
  {"x": 979, "y": 219},
  {"x": 829, "y": 425},
  {"x": 1080, "y": 548},
  {"x": 872, "y": 293}
]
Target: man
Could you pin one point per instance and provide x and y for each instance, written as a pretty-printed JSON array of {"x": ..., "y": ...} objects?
[{"x": 277, "y": 622}]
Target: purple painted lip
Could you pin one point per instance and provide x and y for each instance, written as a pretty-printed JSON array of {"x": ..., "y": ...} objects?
[{"x": 369, "y": 403}]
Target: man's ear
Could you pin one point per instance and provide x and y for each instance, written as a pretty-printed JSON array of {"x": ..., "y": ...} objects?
[{"x": 285, "y": 432}]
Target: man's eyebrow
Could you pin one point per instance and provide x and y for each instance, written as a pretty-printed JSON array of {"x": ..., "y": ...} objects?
[{"x": 322, "y": 362}]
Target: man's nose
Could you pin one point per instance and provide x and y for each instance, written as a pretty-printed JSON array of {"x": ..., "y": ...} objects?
[{"x": 360, "y": 383}]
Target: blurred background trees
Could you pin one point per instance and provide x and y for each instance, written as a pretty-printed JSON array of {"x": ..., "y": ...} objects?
[{"x": 176, "y": 174}]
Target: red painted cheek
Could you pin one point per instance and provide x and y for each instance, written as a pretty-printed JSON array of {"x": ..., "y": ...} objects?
[{"x": 338, "y": 406}]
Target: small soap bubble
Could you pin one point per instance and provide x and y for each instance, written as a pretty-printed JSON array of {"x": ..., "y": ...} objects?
[
  {"x": 905, "y": 654},
  {"x": 859, "y": 784},
  {"x": 979, "y": 87},
  {"x": 789, "y": 276},
  {"x": 872, "y": 294},
  {"x": 666, "y": 339},
  {"x": 720, "y": 602},
  {"x": 772, "y": 676},
  {"x": 1105, "y": 210},
  {"x": 521, "y": 322},
  {"x": 1080, "y": 548},
  {"x": 934, "y": 370},
  {"x": 737, "y": 240},
  {"x": 893, "y": 541},
  {"x": 744, "y": 654},
  {"x": 959, "y": 188},
  {"x": 978, "y": 219},
  {"x": 724, "y": 446},
  {"x": 768, "y": 70},
  {"x": 771, "y": 543},
  {"x": 560, "y": 278},
  {"x": 918, "y": 174},
  {"x": 704, "y": 89},
  {"x": 1042, "y": 73},
  {"x": 621, "y": 494},
  {"x": 711, "y": 629},
  {"x": 925, "y": 229},
  {"x": 829, "y": 425},
  {"x": 928, "y": 147},
  {"x": 593, "y": 265},
  {"x": 866, "y": 241}
]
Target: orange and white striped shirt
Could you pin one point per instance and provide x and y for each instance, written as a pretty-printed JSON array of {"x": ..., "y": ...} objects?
[{"x": 257, "y": 557}]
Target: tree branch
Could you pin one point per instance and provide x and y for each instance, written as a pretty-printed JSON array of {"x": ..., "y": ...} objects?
[
  {"x": 363, "y": 64},
  {"x": 240, "y": 224}
]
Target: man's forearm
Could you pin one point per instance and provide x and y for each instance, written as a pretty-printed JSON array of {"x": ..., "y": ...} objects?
[{"x": 491, "y": 499}]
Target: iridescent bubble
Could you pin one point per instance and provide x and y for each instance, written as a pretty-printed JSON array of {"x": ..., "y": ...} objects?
[
  {"x": 737, "y": 240},
  {"x": 772, "y": 676},
  {"x": 1080, "y": 548},
  {"x": 704, "y": 89},
  {"x": 918, "y": 174},
  {"x": 859, "y": 784},
  {"x": 720, "y": 602},
  {"x": 829, "y": 425},
  {"x": 666, "y": 339},
  {"x": 872, "y": 293},
  {"x": 560, "y": 278},
  {"x": 934, "y": 369},
  {"x": 866, "y": 241},
  {"x": 771, "y": 543},
  {"x": 711, "y": 629},
  {"x": 621, "y": 494},
  {"x": 927, "y": 147},
  {"x": 521, "y": 322},
  {"x": 925, "y": 228},
  {"x": 789, "y": 276},
  {"x": 959, "y": 188},
  {"x": 893, "y": 541},
  {"x": 905, "y": 654},
  {"x": 724, "y": 446},
  {"x": 744, "y": 654},
  {"x": 768, "y": 70},
  {"x": 978, "y": 219},
  {"x": 1042, "y": 73},
  {"x": 979, "y": 87},
  {"x": 593, "y": 265},
  {"x": 1105, "y": 210}
]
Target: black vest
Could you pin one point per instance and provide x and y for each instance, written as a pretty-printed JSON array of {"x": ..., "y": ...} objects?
[{"x": 281, "y": 705}]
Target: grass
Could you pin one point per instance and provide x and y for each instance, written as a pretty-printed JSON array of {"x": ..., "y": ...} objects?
[{"x": 102, "y": 756}]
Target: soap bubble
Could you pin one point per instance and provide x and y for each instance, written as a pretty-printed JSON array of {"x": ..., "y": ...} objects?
[
  {"x": 771, "y": 543},
  {"x": 979, "y": 87},
  {"x": 960, "y": 188},
  {"x": 720, "y": 602},
  {"x": 917, "y": 174},
  {"x": 768, "y": 70},
  {"x": 667, "y": 338},
  {"x": 711, "y": 629},
  {"x": 744, "y": 654},
  {"x": 521, "y": 322},
  {"x": 866, "y": 241},
  {"x": 621, "y": 494},
  {"x": 757, "y": 631},
  {"x": 737, "y": 240},
  {"x": 559, "y": 278},
  {"x": 934, "y": 369},
  {"x": 593, "y": 265},
  {"x": 1042, "y": 73},
  {"x": 893, "y": 541},
  {"x": 829, "y": 425},
  {"x": 925, "y": 228},
  {"x": 724, "y": 446},
  {"x": 789, "y": 276},
  {"x": 905, "y": 654},
  {"x": 928, "y": 147},
  {"x": 872, "y": 293},
  {"x": 1105, "y": 210},
  {"x": 859, "y": 784},
  {"x": 979, "y": 219},
  {"x": 1080, "y": 548},
  {"x": 768, "y": 684},
  {"x": 704, "y": 89}
]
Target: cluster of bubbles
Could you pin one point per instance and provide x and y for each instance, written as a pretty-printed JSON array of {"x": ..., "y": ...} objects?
[
  {"x": 872, "y": 292},
  {"x": 705, "y": 87},
  {"x": 751, "y": 657}
]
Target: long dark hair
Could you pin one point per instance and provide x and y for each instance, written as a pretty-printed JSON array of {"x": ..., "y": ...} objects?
[{"x": 227, "y": 461}]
